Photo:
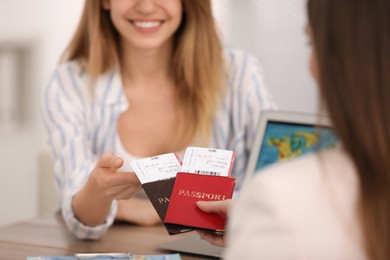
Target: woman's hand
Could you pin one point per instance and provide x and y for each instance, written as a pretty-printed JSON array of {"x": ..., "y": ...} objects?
[
  {"x": 220, "y": 207},
  {"x": 93, "y": 202},
  {"x": 214, "y": 239},
  {"x": 114, "y": 185}
]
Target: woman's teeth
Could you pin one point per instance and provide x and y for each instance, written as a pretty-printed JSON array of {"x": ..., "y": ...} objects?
[{"x": 146, "y": 25}]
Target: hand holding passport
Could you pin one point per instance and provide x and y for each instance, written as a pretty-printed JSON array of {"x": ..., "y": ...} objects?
[{"x": 174, "y": 187}]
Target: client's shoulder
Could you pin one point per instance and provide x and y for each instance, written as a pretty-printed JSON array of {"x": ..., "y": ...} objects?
[{"x": 309, "y": 174}]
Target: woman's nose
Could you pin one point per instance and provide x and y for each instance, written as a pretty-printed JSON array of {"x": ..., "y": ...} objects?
[{"x": 145, "y": 6}]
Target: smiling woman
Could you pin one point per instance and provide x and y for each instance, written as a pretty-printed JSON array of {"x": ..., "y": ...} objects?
[{"x": 141, "y": 78}]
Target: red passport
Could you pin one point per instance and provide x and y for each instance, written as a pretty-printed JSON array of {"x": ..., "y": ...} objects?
[{"x": 190, "y": 188}]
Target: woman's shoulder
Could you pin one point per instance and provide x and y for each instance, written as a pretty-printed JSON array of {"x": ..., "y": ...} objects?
[
  {"x": 314, "y": 194},
  {"x": 72, "y": 73},
  {"x": 243, "y": 71},
  {"x": 309, "y": 175},
  {"x": 235, "y": 57},
  {"x": 309, "y": 196},
  {"x": 70, "y": 67},
  {"x": 309, "y": 181},
  {"x": 241, "y": 64},
  {"x": 65, "y": 77}
]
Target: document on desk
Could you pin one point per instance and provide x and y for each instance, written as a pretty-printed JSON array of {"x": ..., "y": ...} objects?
[{"x": 107, "y": 256}]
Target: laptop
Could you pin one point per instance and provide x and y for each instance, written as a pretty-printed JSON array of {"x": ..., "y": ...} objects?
[
  {"x": 283, "y": 136},
  {"x": 280, "y": 136}
]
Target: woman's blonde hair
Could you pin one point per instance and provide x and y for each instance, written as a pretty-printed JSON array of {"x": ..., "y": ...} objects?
[
  {"x": 351, "y": 40},
  {"x": 197, "y": 61}
]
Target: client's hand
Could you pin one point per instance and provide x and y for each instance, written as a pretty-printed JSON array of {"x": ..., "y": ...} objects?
[
  {"x": 214, "y": 239},
  {"x": 220, "y": 207},
  {"x": 138, "y": 211}
]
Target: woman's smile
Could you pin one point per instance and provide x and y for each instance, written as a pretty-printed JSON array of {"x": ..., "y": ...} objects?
[{"x": 147, "y": 26}]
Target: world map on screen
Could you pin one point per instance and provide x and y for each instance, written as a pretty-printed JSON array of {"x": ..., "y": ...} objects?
[{"x": 285, "y": 141}]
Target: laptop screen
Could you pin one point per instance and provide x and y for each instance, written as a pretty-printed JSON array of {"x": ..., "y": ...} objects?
[
  {"x": 285, "y": 141},
  {"x": 283, "y": 135}
]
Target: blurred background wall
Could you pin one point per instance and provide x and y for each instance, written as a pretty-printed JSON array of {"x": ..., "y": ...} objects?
[
  {"x": 273, "y": 30},
  {"x": 33, "y": 35}
]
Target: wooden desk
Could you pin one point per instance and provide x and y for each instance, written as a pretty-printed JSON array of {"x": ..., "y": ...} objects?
[{"x": 49, "y": 236}]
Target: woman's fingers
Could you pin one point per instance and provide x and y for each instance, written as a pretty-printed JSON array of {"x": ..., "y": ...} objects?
[
  {"x": 217, "y": 240},
  {"x": 125, "y": 190},
  {"x": 108, "y": 161},
  {"x": 220, "y": 207},
  {"x": 113, "y": 184}
]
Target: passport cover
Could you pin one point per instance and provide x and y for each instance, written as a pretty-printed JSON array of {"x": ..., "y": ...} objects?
[
  {"x": 159, "y": 193},
  {"x": 190, "y": 188}
]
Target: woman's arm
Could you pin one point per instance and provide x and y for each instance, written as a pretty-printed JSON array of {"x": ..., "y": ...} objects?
[
  {"x": 68, "y": 117},
  {"x": 139, "y": 211},
  {"x": 93, "y": 202}
]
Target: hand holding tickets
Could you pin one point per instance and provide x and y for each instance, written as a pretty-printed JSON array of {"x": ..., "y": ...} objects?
[
  {"x": 175, "y": 188},
  {"x": 93, "y": 202}
]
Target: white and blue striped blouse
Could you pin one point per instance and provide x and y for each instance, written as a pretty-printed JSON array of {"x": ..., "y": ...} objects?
[{"x": 81, "y": 124}]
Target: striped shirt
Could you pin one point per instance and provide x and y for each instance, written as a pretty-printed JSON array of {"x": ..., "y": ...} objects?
[{"x": 80, "y": 120}]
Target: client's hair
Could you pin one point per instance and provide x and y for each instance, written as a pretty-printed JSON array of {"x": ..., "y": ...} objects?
[{"x": 352, "y": 45}]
